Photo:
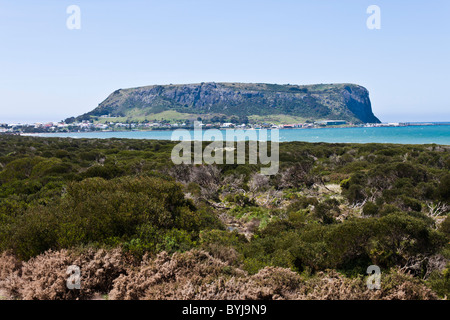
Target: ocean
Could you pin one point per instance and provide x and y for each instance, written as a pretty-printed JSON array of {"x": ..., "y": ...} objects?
[{"x": 416, "y": 134}]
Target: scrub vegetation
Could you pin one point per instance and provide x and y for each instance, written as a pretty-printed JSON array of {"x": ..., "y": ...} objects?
[{"x": 140, "y": 227}]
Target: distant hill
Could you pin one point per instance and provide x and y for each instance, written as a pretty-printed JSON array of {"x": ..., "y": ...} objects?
[{"x": 239, "y": 102}]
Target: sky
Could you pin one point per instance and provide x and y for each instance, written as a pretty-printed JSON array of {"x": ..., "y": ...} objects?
[{"x": 49, "y": 72}]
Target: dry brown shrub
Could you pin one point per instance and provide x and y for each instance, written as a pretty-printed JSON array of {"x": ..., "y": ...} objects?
[
  {"x": 99, "y": 268},
  {"x": 270, "y": 283},
  {"x": 279, "y": 283},
  {"x": 194, "y": 275},
  {"x": 8, "y": 264},
  {"x": 171, "y": 277},
  {"x": 333, "y": 286},
  {"x": 398, "y": 285},
  {"x": 226, "y": 254},
  {"x": 44, "y": 277},
  {"x": 395, "y": 285}
]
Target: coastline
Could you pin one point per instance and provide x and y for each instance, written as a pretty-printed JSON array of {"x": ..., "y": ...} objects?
[{"x": 416, "y": 134}]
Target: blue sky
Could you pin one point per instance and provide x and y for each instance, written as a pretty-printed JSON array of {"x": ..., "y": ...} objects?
[{"x": 49, "y": 73}]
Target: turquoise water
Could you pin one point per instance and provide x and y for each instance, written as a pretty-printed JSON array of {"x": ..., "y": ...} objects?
[{"x": 402, "y": 135}]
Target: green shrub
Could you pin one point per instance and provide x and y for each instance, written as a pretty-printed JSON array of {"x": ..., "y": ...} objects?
[
  {"x": 444, "y": 188},
  {"x": 96, "y": 211},
  {"x": 440, "y": 282},
  {"x": 175, "y": 240},
  {"x": 370, "y": 209},
  {"x": 327, "y": 211},
  {"x": 105, "y": 172},
  {"x": 355, "y": 193},
  {"x": 397, "y": 237},
  {"x": 445, "y": 227},
  {"x": 409, "y": 204},
  {"x": 240, "y": 199}
]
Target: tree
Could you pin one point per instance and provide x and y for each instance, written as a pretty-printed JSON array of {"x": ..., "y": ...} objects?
[{"x": 70, "y": 120}]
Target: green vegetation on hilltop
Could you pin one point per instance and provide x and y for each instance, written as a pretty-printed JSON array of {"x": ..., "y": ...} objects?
[{"x": 223, "y": 101}]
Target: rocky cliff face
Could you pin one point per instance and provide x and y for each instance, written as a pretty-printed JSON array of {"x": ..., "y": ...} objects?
[
  {"x": 357, "y": 100},
  {"x": 325, "y": 101}
]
